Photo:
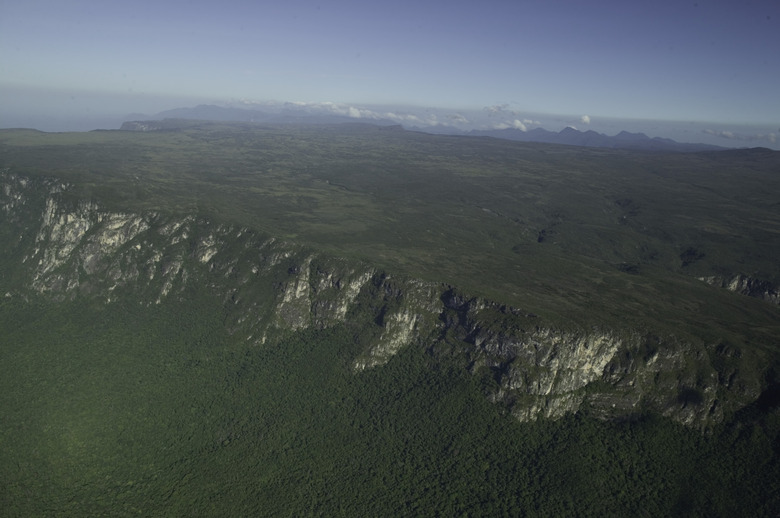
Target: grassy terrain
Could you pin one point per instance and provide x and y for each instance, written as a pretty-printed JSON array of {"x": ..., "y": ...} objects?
[{"x": 557, "y": 229}]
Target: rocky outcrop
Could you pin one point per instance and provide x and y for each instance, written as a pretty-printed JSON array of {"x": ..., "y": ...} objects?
[
  {"x": 746, "y": 285},
  {"x": 413, "y": 316},
  {"x": 538, "y": 371},
  {"x": 269, "y": 287}
]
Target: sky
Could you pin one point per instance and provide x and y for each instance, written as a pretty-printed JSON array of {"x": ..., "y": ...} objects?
[{"x": 714, "y": 63}]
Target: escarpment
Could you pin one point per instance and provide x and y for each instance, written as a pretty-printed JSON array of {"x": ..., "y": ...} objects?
[
  {"x": 746, "y": 285},
  {"x": 60, "y": 247}
]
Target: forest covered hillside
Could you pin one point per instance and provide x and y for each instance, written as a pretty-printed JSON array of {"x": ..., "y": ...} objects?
[{"x": 201, "y": 317}]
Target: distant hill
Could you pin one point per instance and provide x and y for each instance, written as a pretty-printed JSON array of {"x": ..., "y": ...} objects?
[
  {"x": 590, "y": 138},
  {"x": 292, "y": 114},
  {"x": 295, "y": 114},
  {"x": 215, "y": 113}
]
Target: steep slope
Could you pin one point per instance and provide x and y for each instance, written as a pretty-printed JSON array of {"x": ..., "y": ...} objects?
[{"x": 71, "y": 249}]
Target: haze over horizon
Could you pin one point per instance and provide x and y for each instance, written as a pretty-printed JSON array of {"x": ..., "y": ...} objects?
[{"x": 709, "y": 68}]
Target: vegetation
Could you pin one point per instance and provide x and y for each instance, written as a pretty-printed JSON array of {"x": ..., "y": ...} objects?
[
  {"x": 119, "y": 410},
  {"x": 532, "y": 225},
  {"x": 137, "y": 408}
]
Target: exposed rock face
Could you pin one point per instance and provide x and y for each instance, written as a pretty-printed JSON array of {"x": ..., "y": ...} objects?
[
  {"x": 746, "y": 285},
  {"x": 413, "y": 317},
  {"x": 71, "y": 248},
  {"x": 538, "y": 371}
]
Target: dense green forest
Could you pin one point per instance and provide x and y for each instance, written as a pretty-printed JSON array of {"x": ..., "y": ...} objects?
[
  {"x": 123, "y": 410},
  {"x": 168, "y": 344}
]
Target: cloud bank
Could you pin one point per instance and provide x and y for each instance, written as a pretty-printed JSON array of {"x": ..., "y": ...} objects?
[
  {"x": 770, "y": 138},
  {"x": 355, "y": 112},
  {"x": 508, "y": 118}
]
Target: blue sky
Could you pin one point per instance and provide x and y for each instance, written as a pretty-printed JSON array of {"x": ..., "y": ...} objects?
[{"x": 702, "y": 61}]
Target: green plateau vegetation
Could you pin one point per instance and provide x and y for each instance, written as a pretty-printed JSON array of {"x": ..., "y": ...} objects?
[
  {"x": 551, "y": 228},
  {"x": 140, "y": 407}
]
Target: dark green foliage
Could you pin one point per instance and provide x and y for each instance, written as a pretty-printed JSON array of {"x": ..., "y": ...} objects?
[{"x": 123, "y": 409}]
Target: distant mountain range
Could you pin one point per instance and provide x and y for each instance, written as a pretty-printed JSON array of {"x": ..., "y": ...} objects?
[
  {"x": 590, "y": 138},
  {"x": 292, "y": 114},
  {"x": 567, "y": 136}
]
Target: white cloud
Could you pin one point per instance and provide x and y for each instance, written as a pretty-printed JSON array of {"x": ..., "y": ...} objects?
[
  {"x": 495, "y": 110},
  {"x": 519, "y": 125},
  {"x": 400, "y": 117},
  {"x": 755, "y": 137},
  {"x": 356, "y": 112},
  {"x": 722, "y": 134},
  {"x": 585, "y": 119},
  {"x": 344, "y": 110},
  {"x": 404, "y": 117},
  {"x": 500, "y": 109},
  {"x": 511, "y": 118},
  {"x": 515, "y": 124}
]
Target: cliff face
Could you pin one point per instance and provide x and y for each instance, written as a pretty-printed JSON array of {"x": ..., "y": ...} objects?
[
  {"x": 63, "y": 248},
  {"x": 746, "y": 285}
]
